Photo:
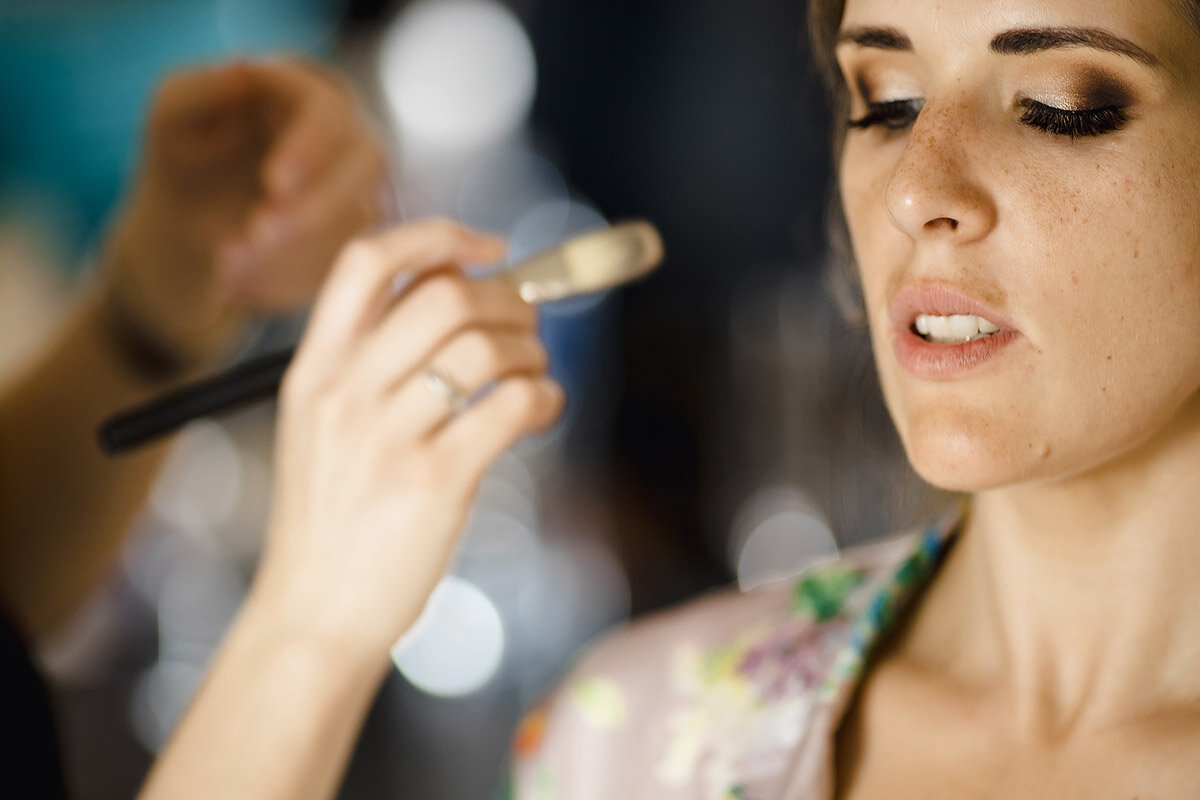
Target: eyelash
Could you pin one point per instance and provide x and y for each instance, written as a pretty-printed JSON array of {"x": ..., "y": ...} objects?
[
  {"x": 899, "y": 114},
  {"x": 1073, "y": 124},
  {"x": 894, "y": 115}
]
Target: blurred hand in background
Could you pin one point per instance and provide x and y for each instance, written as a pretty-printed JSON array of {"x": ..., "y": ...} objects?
[{"x": 254, "y": 174}]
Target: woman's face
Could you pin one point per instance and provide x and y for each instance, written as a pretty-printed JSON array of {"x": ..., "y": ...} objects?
[{"x": 1029, "y": 242}]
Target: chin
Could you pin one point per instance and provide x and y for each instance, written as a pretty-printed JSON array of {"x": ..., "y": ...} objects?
[{"x": 963, "y": 452}]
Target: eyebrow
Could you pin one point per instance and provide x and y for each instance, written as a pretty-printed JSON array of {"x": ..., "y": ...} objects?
[
  {"x": 1035, "y": 40},
  {"x": 1015, "y": 42},
  {"x": 873, "y": 36}
]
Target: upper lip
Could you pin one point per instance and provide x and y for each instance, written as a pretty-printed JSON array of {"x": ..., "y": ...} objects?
[{"x": 940, "y": 300}]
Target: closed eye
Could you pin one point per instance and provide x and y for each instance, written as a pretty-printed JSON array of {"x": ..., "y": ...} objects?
[
  {"x": 1071, "y": 123},
  {"x": 891, "y": 114}
]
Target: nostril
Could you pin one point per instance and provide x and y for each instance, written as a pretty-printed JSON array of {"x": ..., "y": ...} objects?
[{"x": 942, "y": 222}]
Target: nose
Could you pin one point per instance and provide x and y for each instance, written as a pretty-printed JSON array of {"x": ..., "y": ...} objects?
[{"x": 935, "y": 191}]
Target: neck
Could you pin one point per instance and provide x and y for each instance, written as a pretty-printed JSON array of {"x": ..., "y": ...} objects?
[{"x": 1079, "y": 599}]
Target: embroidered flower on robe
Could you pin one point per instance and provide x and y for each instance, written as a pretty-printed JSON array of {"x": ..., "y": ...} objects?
[{"x": 743, "y": 706}]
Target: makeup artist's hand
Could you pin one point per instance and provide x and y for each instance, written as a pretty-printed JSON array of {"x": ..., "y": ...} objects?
[
  {"x": 254, "y": 175},
  {"x": 376, "y": 471}
]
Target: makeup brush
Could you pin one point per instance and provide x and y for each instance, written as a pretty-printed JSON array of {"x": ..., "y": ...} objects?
[{"x": 587, "y": 263}]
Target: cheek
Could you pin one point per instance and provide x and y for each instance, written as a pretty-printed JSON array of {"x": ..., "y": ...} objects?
[
  {"x": 1110, "y": 298},
  {"x": 1114, "y": 281},
  {"x": 863, "y": 176}
]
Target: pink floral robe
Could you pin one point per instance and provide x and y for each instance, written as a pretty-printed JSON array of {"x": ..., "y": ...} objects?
[{"x": 736, "y": 696}]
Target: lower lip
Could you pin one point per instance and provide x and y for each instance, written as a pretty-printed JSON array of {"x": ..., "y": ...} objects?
[{"x": 934, "y": 361}]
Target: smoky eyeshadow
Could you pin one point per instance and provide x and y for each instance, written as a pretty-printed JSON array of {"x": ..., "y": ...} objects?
[
  {"x": 1096, "y": 89},
  {"x": 864, "y": 88}
]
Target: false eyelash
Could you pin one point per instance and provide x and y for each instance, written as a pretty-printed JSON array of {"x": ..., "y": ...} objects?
[
  {"x": 1073, "y": 124},
  {"x": 892, "y": 114}
]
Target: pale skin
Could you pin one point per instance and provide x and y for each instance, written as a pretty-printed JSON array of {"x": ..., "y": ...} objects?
[{"x": 1057, "y": 653}]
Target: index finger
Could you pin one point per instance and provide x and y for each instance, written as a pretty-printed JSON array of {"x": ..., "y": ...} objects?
[{"x": 361, "y": 284}]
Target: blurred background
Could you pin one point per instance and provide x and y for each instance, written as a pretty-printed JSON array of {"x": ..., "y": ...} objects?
[{"x": 724, "y": 424}]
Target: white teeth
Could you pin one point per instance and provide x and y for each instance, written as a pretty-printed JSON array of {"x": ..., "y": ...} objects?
[
  {"x": 963, "y": 327},
  {"x": 987, "y": 326},
  {"x": 939, "y": 328},
  {"x": 953, "y": 328}
]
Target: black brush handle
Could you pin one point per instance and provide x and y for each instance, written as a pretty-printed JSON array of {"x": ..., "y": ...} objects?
[
  {"x": 610, "y": 257},
  {"x": 246, "y": 383}
]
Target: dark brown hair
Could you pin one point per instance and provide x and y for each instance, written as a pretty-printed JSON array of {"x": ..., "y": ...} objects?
[{"x": 824, "y": 20}]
